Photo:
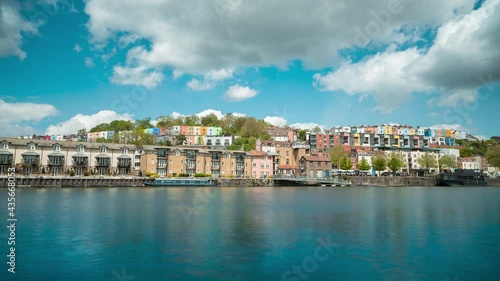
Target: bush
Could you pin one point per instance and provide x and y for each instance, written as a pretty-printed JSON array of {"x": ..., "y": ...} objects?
[
  {"x": 151, "y": 175},
  {"x": 202, "y": 175},
  {"x": 71, "y": 173},
  {"x": 86, "y": 174},
  {"x": 183, "y": 175}
]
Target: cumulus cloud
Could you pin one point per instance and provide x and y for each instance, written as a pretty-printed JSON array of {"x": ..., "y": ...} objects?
[
  {"x": 463, "y": 57},
  {"x": 77, "y": 48},
  {"x": 12, "y": 27},
  {"x": 455, "y": 127},
  {"x": 206, "y": 112},
  {"x": 275, "y": 120},
  {"x": 210, "y": 80},
  {"x": 16, "y": 118},
  {"x": 140, "y": 75},
  {"x": 89, "y": 62},
  {"x": 81, "y": 121},
  {"x": 237, "y": 93},
  {"x": 199, "y": 37},
  {"x": 306, "y": 126},
  {"x": 382, "y": 76}
]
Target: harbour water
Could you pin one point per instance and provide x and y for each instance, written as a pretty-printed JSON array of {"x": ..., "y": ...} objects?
[{"x": 285, "y": 233}]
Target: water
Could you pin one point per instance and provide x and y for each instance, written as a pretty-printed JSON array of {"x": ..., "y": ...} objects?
[{"x": 255, "y": 234}]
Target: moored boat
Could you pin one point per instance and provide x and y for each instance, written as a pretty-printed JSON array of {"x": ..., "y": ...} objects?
[
  {"x": 463, "y": 178},
  {"x": 180, "y": 182}
]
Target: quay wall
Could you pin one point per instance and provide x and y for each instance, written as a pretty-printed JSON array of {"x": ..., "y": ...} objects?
[
  {"x": 393, "y": 181},
  {"x": 24, "y": 181},
  {"x": 75, "y": 181}
]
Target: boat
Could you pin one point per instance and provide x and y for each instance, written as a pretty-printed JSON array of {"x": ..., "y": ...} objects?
[
  {"x": 463, "y": 178},
  {"x": 180, "y": 182}
]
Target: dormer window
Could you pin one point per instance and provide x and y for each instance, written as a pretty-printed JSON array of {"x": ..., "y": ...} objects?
[
  {"x": 177, "y": 153},
  {"x": 125, "y": 150},
  {"x": 31, "y": 146},
  {"x": 5, "y": 145},
  {"x": 57, "y": 147},
  {"x": 103, "y": 149},
  {"x": 80, "y": 148}
]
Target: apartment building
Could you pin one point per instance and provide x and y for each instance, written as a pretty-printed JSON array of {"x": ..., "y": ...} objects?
[{"x": 54, "y": 158}]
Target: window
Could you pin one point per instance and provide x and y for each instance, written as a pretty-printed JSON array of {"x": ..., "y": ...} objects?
[
  {"x": 287, "y": 153},
  {"x": 125, "y": 150},
  {"x": 57, "y": 147},
  {"x": 103, "y": 149},
  {"x": 5, "y": 145},
  {"x": 152, "y": 162},
  {"x": 177, "y": 153},
  {"x": 254, "y": 164},
  {"x": 182, "y": 161},
  {"x": 170, "y": 161},
  {"x": 80, "y": 148},
  {"x": 31, "y": 146}
]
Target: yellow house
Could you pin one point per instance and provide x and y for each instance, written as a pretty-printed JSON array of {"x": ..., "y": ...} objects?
[
  {"x": 388, "y": 130},
  {"x": 396, "y": 141},
  {"x": 356, "y": 141},
  {"x": 203, "y": 130},
  {"x": 412, "y": 131}
]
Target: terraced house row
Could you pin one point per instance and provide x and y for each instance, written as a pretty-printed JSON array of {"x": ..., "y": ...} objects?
[
  {"x": 166, "y": 131},
  {"x": 41, "y": 157}
]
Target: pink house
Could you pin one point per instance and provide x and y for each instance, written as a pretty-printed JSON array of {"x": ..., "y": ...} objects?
[{"x": 262, "y": 164}]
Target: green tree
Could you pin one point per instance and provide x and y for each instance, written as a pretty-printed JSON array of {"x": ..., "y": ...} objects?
[
  {"x": 192, "y": 120},
  {"x": 363, "y": 165},
  {"x": 200, "y": 141},
  {"x": 302, "y": 135},
  {"x": 180, "y": 139},
  {"x": 427, "y": 161},
  {"x": 396, "y": 162},
  {"x": 337, "y": 154},
  {"x": 316, "y": 129},
  {"x": 121, "y": 125},
  {"x": 493, "y": 156},
  {"x": 211, "y": 120},
  {"x": 466, "y": 152},
  {"x": 101, "y": 127},
  {"x": 346, "y": 163},
  {"x": 448, "y": 162},
  {"x": 379, "y": 162}
]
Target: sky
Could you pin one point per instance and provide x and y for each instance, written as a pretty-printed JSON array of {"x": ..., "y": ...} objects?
[{"x": 67, "y": 65}]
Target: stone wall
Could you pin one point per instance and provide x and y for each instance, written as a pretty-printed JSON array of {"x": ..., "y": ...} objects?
[
  {"x": 75, "y": 181},
  {"x": 244, "y": 182},
  {"x": 393, "y": 181},
  {"x": 494, "y": 182}
]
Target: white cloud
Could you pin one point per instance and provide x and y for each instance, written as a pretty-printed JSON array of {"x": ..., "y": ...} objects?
[
  {"x": 177, "y": 74},
  {"x": 77, "y": 48},
  {"x": 206, "y": 112},
  {"x": 12, "y": 28},
  {"x": 306, "y": 126},
  {"x": 275, "y": 120},
  {"x": 464, "y": 56},
  {"x": 455, "y": 127},
  {"x": 177, "y": 114},
  {"x": 222, "y": 34},
  {"x": 81, "y": 121},
  {"x": 210, "y": 80},
  {"x": 136, "y": 76},
  {"x": 381, "y": 76},
  {"x": 237, "y": 93},
  {"x": 16, "y": 118},
  {"x": 89, "y": 62}
]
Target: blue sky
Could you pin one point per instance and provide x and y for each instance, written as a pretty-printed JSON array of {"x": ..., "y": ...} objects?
[{"x": 68, "y": 64}]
